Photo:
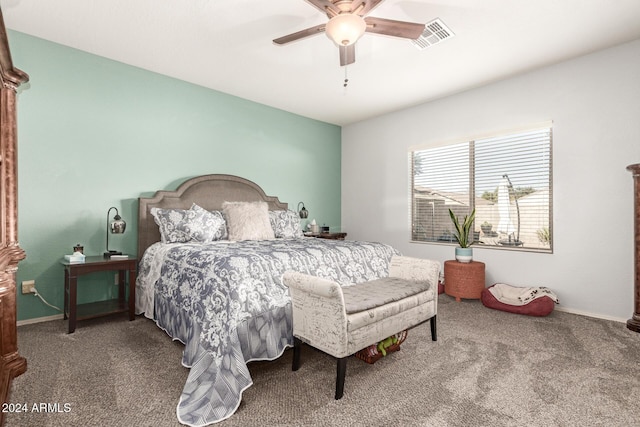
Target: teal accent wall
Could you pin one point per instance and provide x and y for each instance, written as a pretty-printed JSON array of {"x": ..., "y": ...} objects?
[{"x": 95, "y": 133}]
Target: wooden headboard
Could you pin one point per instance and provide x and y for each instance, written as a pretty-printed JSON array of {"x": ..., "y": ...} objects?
[{"x": 208, "y": 191}]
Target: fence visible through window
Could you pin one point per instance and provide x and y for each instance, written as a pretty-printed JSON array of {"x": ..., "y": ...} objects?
[{"x": 506, "y": 178}]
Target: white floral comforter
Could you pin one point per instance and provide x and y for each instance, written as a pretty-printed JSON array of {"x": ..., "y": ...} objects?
[{"x": 226, "y": 302}]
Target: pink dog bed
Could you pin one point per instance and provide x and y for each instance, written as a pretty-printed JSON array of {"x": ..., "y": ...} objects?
[{"x": 540, "y": 306}]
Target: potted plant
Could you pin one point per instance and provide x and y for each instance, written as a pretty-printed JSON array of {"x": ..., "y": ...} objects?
[
  {"x": 486, "y": 227},
  {"x": 462, "y": 234}
]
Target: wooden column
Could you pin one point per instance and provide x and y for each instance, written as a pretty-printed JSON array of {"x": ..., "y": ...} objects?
[
  {"x": 634, "y": 322},
  {"x": 11, "y": 363}
]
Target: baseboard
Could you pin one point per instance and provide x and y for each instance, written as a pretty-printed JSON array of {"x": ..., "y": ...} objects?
[
  {"x": 39, "y": 319},
  {"x": 558, "y": 308},
  {"x": 588, "y": 314}
]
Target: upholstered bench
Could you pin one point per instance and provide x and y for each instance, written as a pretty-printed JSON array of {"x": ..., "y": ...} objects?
[{"x": 342, "y": 320}]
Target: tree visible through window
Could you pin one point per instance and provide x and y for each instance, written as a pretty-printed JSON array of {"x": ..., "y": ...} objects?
[{"x": 506, "y": 178}]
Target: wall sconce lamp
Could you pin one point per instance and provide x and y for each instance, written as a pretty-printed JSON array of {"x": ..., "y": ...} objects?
[
  {"x": 117, "y": 226},
  {"x": 304, "y": 213}
]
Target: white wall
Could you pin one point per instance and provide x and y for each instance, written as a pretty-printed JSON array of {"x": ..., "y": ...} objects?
[{"x": 594, "y": 102}]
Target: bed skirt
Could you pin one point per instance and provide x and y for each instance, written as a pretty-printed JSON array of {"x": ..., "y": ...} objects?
[{"x": 213, "y": 392}]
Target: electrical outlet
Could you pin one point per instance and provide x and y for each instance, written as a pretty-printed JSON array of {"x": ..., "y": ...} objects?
[{"x": 28, "y": 287}]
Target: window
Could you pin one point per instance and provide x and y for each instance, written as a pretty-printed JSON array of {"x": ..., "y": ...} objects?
[{"x": 506, "y": 178}]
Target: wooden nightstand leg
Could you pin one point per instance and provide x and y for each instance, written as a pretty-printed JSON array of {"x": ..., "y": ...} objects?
[
  {"x": 73, "y": 295},
  {"x": 121, "y": 287},
  {"x": 66, "y": 293},
  {"x": 132, "y": 293}
]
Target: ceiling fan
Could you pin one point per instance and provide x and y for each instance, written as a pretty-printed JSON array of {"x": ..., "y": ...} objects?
[{"x": 348, "y": 21}]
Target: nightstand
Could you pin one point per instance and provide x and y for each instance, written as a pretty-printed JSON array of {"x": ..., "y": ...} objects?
[
  {"x": 126, "y": 269},
  {"x": 331, "y": 236},
  {"x": 464, "y": 280}
]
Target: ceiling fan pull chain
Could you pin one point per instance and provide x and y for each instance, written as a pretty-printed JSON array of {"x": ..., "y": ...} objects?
[{"x": 346, "y": 80}]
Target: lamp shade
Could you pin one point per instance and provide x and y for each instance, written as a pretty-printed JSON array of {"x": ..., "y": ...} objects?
[
  {"x": 345, "y": 29},
  {"x": 117, "y": 226},
  {"x": 304, "y": 213}
]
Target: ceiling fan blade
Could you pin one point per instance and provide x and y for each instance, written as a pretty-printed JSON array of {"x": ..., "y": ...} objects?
[
  {"x": 325, "y": 6},
  {"x": 389, "y": 27},
  {"x": 300, "y": 34},
  {"x": 347, "y": 54},
  {"x": 369, "y": 5},
  {"x": 359, "y": 7}
]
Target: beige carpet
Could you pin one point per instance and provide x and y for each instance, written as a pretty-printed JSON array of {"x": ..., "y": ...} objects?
[{"x": 488, "y": 368}]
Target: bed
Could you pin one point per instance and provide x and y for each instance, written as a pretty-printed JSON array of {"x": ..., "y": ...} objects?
[{"x": 223, "y": 296}]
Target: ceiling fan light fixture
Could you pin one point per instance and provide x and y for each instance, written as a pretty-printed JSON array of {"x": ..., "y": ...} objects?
[{"x": 345, "y": 29}]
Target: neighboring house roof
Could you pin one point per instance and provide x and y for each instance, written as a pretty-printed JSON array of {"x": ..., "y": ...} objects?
[{"x": 449, "y": 197}]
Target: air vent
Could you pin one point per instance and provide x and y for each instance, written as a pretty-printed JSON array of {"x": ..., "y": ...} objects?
[{"x": 434, "y": 32}]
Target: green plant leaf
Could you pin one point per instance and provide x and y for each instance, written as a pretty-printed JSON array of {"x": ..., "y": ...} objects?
[{"x": 463, "y": 230}]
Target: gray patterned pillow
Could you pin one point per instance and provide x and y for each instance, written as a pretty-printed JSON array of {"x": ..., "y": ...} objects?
[
  {"x": 214, "y": 221},
  {"x": 247, "y": 220},
  {"x": 181, "y": 226},
  {"x": 285, "y": 224}
]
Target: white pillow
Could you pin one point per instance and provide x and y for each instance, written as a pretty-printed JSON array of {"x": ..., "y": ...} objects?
[{"x": 247, "y": 220}]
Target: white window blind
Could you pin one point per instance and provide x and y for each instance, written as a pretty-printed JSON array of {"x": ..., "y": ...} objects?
[{"x": 506, "y": 178}]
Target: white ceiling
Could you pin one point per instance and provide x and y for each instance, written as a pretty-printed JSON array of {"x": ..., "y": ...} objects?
[{"x": 226, "y": 45}]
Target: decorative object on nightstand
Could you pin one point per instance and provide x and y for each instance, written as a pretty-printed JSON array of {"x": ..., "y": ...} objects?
[
  {"x": 304, "y": 213},
  {"x": 464, "y": 280},
  {"x": 117, "y": 226},
  {"x": 462, "y": 234},
  {"x": 75, "y": 257},
  {"x": 78, "y": 254}
]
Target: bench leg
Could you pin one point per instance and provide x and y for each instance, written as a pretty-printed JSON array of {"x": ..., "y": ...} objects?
[
  {"x": 341, "y": 372},
  {"x": 297, "y": 346},
  {"x": 434, "y": 332}
]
